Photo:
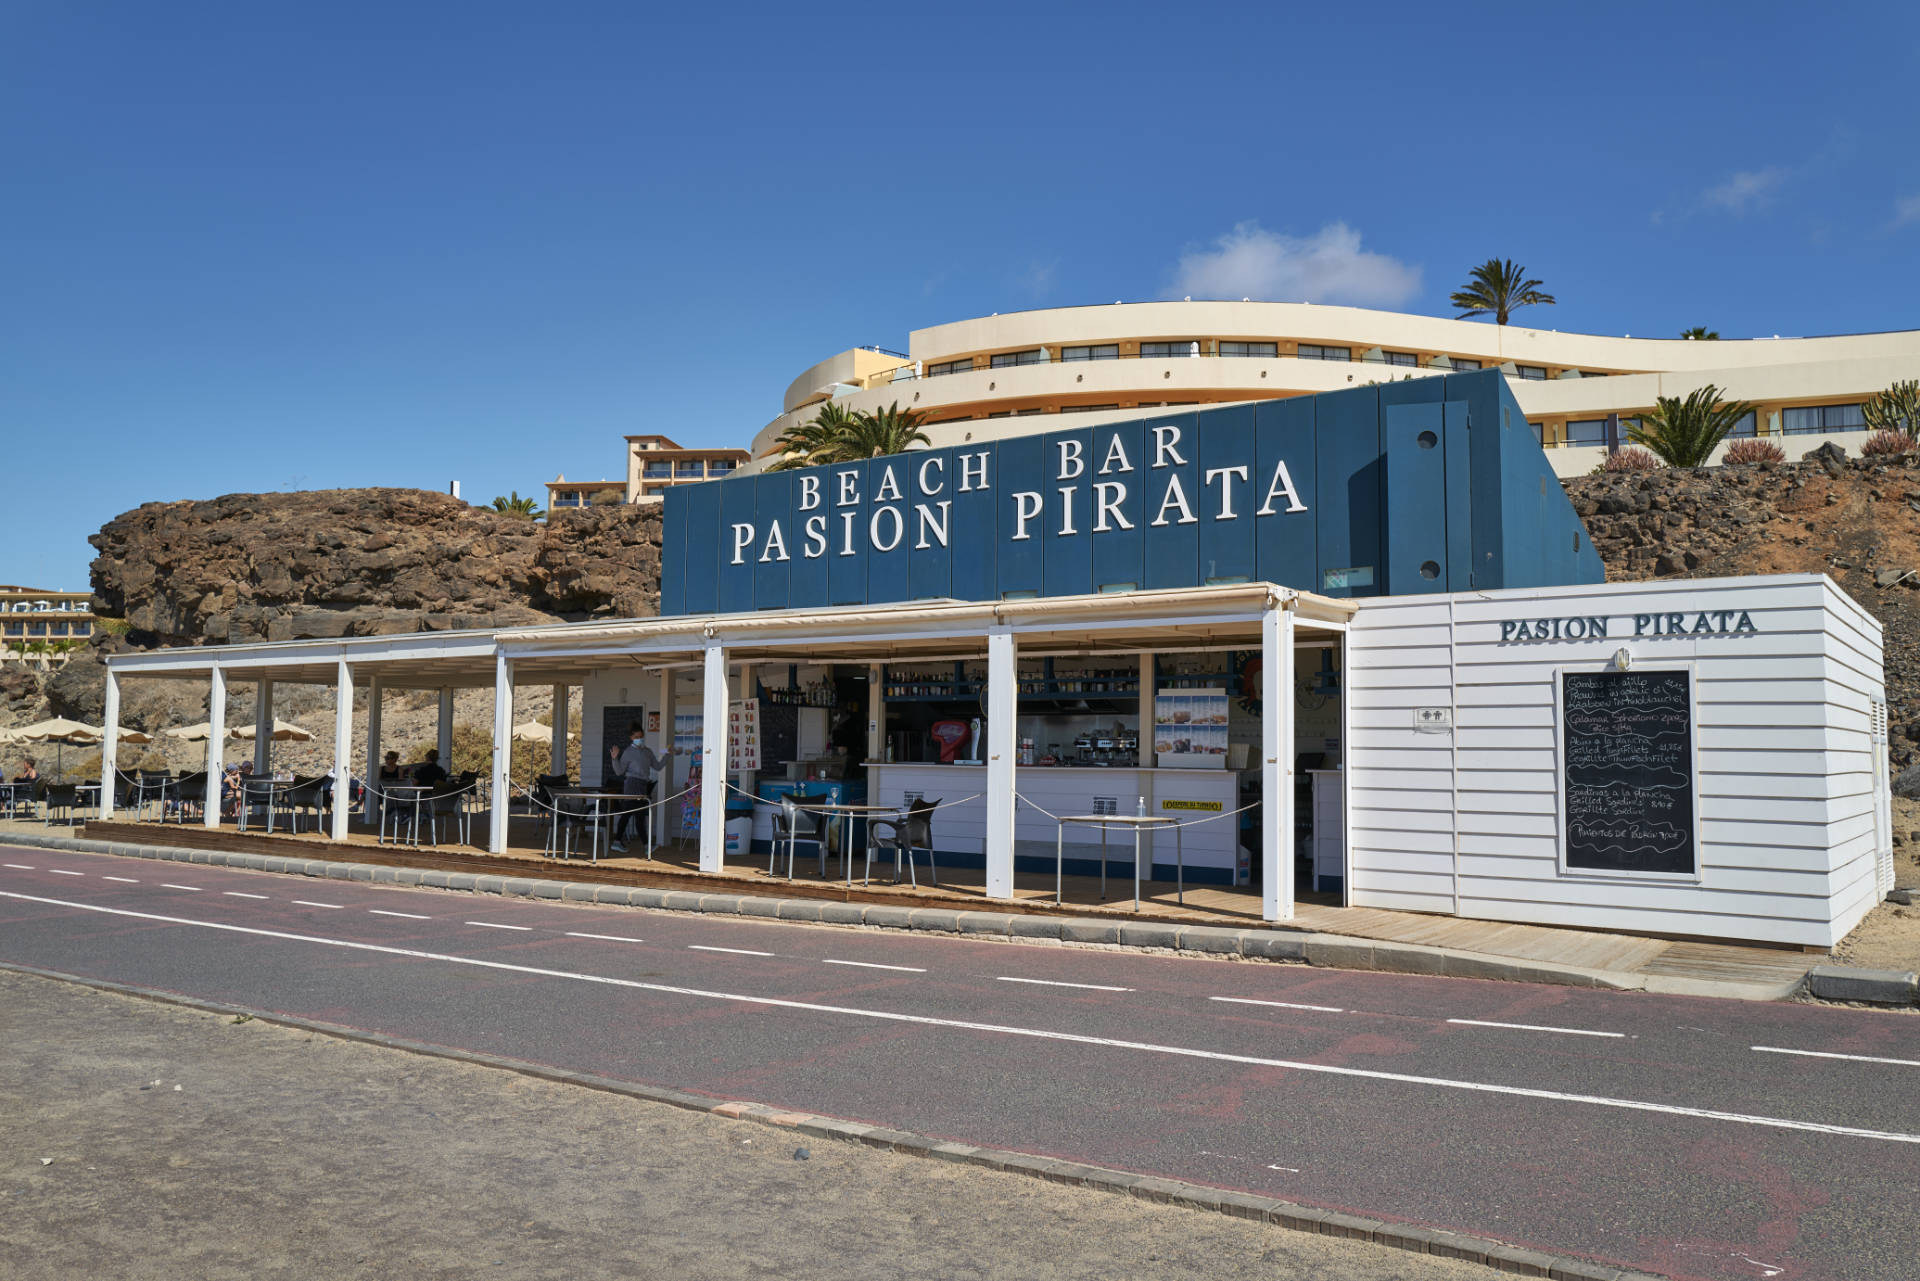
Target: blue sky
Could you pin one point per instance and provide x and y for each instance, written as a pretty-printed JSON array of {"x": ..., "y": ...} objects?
[{"x": 260, "y": 247}]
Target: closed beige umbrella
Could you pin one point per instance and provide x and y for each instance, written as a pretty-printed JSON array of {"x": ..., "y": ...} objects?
[
  {"x": 283, "y": 732},
  {"x": 192, "y": 733}
]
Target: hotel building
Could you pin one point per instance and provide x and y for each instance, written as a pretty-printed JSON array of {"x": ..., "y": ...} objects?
[
  {"x": 40, "y": 628},
  {"x": 655, "y": 464},
  {"x": 976, "y": 379}
]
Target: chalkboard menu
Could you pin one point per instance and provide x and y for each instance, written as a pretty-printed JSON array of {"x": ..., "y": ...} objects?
[{"x": 1627, "y": 739}]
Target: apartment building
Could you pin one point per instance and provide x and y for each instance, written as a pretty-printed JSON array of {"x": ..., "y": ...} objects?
[
  {"x": 41, "y": 628},
  {"x": 655, "y": 464}
]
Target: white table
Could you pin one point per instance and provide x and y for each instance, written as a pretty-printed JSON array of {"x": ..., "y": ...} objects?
[
  {"x": 849, "y": 811},
  {"x": 394, "y": 794},
  {"x": 1138, "y": 823}
]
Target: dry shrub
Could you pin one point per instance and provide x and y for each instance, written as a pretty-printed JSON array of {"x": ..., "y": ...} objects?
[
  {"x": 1886, "y": 443},
  {"x": 1754, "y": 451},
  {"x": 1630, "y": 460}
]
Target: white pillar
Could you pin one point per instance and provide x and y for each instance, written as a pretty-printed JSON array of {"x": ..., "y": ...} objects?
[
  {"x": 343, "y": 751},
  {"x": 1002, "y": 699},
  {"x": 216, "y": 743},
  {"x": 110, "y": 747},
  {"x": 557, "y": 748},
  {"x": 713, "y": 759},
  {"x": 263, "y": 726},
  {"x": 502, "y": 753},
  {"x": 375, "y": 688},
  {"x": 1276, "y": 764},
  {"x": 876, "y": 712}
]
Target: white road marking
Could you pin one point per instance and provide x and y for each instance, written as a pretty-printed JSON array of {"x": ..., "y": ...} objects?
[
  {"x": 1825, "y": 1054},
  {"x": 308, "y": 903},
  {"x": 238, "y": 894},
  {"x": 1288, "y": 1168},
  {"x": 490, "y": 925},
  {"x": 61, "y": 871},
  {"x": 169, "y": 885},
  {"x": 411, "y": 916},
  {"x": 1280, "y": 1005},
  {"x": 870, "y": 965},
  {"x": 1001, "y": 1029},
  {"x": 1091, "y": 987},
  {"x": 1537, "y": 1027},
  {"x": 125, "y": 880},
  {"x": 737, "y": 951},
  {"x": 608, "y": 938},
  {"x": 23, "y": 867}
]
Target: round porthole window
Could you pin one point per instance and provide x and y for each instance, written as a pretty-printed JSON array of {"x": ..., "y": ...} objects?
[
  {"x": 1430, "y": 570},
  {"x": 1428, "y": 440}
]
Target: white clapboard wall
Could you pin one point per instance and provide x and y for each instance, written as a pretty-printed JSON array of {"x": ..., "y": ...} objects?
[{"x": 1791, "y": 785}]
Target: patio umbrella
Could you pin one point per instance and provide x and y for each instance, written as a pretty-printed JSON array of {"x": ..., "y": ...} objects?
[
  {"x": 192, "y": 733},
  {"x": 59, "y": 731},
  {"x": 283, "y": 732},
  {"x": 534, "y": 732}
]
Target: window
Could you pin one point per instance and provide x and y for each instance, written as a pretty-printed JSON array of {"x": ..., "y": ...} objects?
[
  {"x": 14, "y": 629},
  {"x": 1250, "y": 349},
  {"x": 83, "y": 628},
  {"x": 1180, "y": 347},
  {"x": 59, "y": 629},
  {"x": 1403, "y": 358},
  {"x": 684, "y": 470},
  {"x": 1532, "y": 373},
  {"x": 1003, "y": 413},
  {"x": 1311, "y": 351},
  {"x": 1028, "y": 413},
  {"x": 1819, "y": 418},
  {"x": 1539, "y": 432},
  {"x": 1744, "y": 425},
  {"x": 565, "y": 500},
  {"x": 36, "y": 629},
  {"x": 1099, "y": 351},
  {"x": 1464, "y": 364},
  {"x": 950, "y": 367},
  {"x": 1589, "y": 431},
  {"x": 1038, "y": 356},
  {"x": 718, "y": 467},
  {"x": 658, "y": 471},
  {"x": 1085, "y": 409}
]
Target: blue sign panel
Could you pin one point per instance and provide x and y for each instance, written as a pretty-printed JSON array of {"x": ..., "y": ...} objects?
[{"x": 1422, "y": 485}]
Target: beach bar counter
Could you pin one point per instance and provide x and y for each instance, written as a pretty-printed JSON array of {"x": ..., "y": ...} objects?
[{"x": 1358, "y": 641}]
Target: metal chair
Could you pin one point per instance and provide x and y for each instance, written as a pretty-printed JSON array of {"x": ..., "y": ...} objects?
[
  {"x": 188, "y": 790},
  {"x": 447, "y": 803},
  {"x": 905, "y": 835},
  {"x": 150, "y": 787},
  {"x": 57, "y": 796},
  {"x": 256, "y": 795},
  {"x": 307, "y": 796},
  {"x": 792, "y": 826}
]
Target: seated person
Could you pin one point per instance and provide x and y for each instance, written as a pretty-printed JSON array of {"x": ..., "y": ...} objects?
[
  {"x": 29, "y": 773},
  {"x": 428, "y": 773},
  {"x": 390, "y": 771}
]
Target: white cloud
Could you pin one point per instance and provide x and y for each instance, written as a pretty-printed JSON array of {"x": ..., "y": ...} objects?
[
  {"x": 1745, "y": 191},
  {"x": 1906, "y": 210},
  {"x": 1328, "y": 266}
]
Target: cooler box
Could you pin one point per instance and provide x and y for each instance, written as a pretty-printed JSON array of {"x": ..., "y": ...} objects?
[{"x": 739, "y": 836}]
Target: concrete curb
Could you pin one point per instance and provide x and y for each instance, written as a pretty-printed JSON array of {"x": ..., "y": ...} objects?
[
  {"x": 1265, "y": 944},
  {"x": 1499, "y": 1255},
  {"x": 1876, "y": 987}
]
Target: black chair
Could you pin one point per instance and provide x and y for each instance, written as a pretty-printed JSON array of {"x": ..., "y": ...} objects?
[
  {"x": 307, "y": 796},
  {"x": 544, "y": 786},
  {"x": 151, "y": 787},
  {"x": 257, "y": 797},
  {"x": 793, "y": 826},
  {"x": 57, "y": 796},
  {"x": 448, "y": 801},
  {"x": 189, "y": 791},
  {"x": 903, "y": 836}
]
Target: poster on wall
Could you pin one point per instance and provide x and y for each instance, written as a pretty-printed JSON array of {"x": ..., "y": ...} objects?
[
  {"x": 1190, "y": 729},
  {"x": 1627, "y": 757},
  {"x": 743, "y": 735},
  {"x": 686, "y": 734}
]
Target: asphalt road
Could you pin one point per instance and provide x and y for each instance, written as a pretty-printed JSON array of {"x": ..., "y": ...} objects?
[{"x": 1691, "y": 1137}]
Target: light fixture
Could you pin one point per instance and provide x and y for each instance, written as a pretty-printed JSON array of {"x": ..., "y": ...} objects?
[{"x": 1622, "y": 659}]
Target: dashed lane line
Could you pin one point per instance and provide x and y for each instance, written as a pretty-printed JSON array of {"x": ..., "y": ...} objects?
[
  {"x": 493, "y": 925},
  {"x": 1002, "y": 1029},
  {"x": 874, "y": 965},
  {"x": 1538, "y": 1027},
  {"x": 61, "y": 871},
  {"x": 737, "y": 951},
  {"x": 310, "y": 903},
  {"x": 411, "y": 916},
  {"x": 169, "y": 885},
  {"x": 1829, "y": 1054},
  {"x": 124, "y": 880},
  {"x": 240, "y": 894},
  {"x": 1090, "y": 987},
  {"x": 21, "y": 867},
  {"x": 605, "y": 938},
  {"x": 1279, "y": 1005}
]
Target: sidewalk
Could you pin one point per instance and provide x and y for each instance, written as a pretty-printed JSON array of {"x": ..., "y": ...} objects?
[{"x": 1341, "y": 938}]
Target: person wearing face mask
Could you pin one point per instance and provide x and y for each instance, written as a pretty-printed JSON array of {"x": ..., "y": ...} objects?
[{"x": 633, "y": 765}]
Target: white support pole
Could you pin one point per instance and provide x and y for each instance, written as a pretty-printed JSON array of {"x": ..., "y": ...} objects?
[
  {"x": 876, "y": 713},
  {"x": 557, "y": 745},
  {"x": 713, "y": 759},
  {"x": 110, "y": 747},
  {"x": 375, "y": 688},
  {"x": 216, "y": 743},
  {"x": 502, "y": 754},
  {"x": 343, "y": 752},
  {"x": 446, "y": 728},
  {"x": 1276, "y": 764},
  {"x": 263, "y": 726},
  {"x": 1002, "y": 690}
]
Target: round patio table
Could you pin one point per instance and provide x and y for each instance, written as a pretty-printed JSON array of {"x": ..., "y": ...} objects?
[{"x": 1138, "y": 823}]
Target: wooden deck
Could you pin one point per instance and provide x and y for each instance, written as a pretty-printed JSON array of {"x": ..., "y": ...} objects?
[{"x": 677, "y": 866}]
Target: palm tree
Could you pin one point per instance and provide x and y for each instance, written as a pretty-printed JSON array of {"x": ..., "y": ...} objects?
[
  {"x": 1495, "y": 288},
  {"x": 1684, "y": 433},
  {"x": 834, "y": 435},
  {"x": 1701, "y": 333},
  {"x": 517, "y": 506}
]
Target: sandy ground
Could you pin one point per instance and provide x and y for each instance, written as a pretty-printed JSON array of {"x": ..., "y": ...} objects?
[
  {"x": 143, "y": 1141},
  {"x": 1889, "y": 939}
]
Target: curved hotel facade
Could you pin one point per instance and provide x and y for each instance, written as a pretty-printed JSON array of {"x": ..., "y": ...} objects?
[{"x": 977, "y": 379}]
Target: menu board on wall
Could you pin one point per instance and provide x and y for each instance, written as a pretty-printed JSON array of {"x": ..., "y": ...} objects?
[
  {"x": 743, "y": 735},
  {"x": 1627, "y": 744},
  {"x": 1190, "y": 729}
]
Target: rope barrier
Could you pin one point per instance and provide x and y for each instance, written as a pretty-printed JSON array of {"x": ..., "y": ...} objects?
[
  {"x": 642, "y": 808},
  {"x": 1160, "y": 824}
]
